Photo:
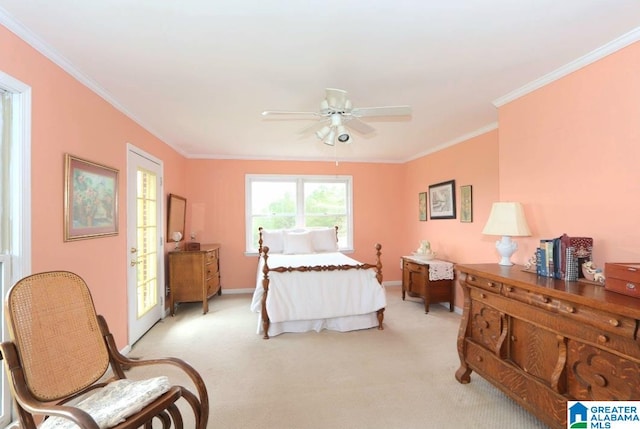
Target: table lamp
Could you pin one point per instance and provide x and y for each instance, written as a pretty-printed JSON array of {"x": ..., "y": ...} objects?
[{"x": 507, "y": 219}]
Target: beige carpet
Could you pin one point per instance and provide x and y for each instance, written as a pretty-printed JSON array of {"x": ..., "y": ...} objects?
[{"x": 402, "y": 377}]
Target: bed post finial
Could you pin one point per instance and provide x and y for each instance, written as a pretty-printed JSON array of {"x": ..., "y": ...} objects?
[
  {"x": 259, "y": 240},
  {"x": 265, "y": 286},
  {"x": 378, "y": 263}
]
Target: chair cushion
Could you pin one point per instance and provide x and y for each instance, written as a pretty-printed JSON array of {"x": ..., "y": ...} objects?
[{"x": 115, "y": 402}]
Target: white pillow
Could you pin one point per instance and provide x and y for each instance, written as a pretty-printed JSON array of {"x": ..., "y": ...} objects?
[
  {"x": 274, "y": 240},
  {"x": 297, "y": 243},
  {"x": 324, "y": 240}
]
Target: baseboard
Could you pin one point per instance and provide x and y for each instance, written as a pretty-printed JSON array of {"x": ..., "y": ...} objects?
[{"x": 237, "y": 291}]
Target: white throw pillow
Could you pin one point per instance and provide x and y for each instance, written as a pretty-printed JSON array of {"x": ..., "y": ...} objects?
[
  {"x": 324, "y": 240},
  {"x": 297, "y": 243},
  {"x": 274, "y": 240}
]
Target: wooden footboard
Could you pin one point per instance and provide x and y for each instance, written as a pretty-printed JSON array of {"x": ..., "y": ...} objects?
[{"x": 266, "y": 270}]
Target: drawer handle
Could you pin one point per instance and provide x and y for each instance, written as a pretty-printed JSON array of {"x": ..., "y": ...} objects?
[
  {"x": 546, "y": 300},
  {"x": 631, "y": 286},
  {"x": 472, "y": 278},
  {"x": 478, "y": 358},
  {"x": 490, "y": 284},
  {"x": 483, "y": 296},
  {"x": 614, "y": 322},
  {"x": 602, "y": 339},
  {"x": 509, "y": 289},
  {"x": 570, "y": 309}
]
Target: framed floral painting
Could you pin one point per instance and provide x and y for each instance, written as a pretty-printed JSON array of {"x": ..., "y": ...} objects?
[{"x": 90, "y": 199}]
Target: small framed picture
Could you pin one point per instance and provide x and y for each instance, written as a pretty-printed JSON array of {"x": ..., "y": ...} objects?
[
  {"x": 466, "y": 204},
  {"x": 422, "y": 206},
  {"x": 90, "y": 199},
  {"x": 442, "y": 200}
]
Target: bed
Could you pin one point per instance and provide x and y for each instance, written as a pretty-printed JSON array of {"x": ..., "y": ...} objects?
[{"x": 304, "y": 283}]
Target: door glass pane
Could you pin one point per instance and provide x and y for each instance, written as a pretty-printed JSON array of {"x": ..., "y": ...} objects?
[{"x": 147, "y": 205}]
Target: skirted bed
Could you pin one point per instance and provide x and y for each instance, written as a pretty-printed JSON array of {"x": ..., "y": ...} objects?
[{"x": 303, "y": 283}]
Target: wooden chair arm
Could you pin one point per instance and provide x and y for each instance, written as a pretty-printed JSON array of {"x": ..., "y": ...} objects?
[
  {"x": 120, "y": 361},
  {"x": 28, "y": 402}
]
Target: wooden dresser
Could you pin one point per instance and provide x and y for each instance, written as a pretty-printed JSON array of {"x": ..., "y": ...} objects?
[
  {"x": 416, "y": 283},
  {"x": 194, "y": 276},
  {"x": 544, "y": 341}
]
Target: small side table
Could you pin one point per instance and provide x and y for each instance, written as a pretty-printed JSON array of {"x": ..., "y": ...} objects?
[{"x": 431, "y": 280}]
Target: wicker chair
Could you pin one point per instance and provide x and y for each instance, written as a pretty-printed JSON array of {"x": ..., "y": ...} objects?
[{"x": 63, "y": 364}]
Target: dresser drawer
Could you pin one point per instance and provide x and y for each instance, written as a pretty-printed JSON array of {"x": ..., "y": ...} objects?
[
  {"x": 211, "y": 256},
  {"x": 416, "y": 268},
  {"x": 213, "y": 284},
  {"x": 483, "y": 283},
  {"x": 580, "y": 315}
]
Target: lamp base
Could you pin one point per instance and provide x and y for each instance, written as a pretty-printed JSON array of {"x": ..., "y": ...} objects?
[{"x": 506, "y": 247}]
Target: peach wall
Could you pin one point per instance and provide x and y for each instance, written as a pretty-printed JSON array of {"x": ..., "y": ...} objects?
[
  {"x": 473, "y": 162},
  {"x": 67, "y": 117},
  {"x": 216, "y": 189},
  {"x": 569, "y": 152}
]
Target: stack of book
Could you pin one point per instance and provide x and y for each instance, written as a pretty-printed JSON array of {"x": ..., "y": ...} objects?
[{"x": 562, "y": 257}]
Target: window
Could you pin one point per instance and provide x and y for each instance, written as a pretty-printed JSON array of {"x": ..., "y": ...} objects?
[
  {"x": 15, "y": 200},
  {"x": 278, "y": 201}
]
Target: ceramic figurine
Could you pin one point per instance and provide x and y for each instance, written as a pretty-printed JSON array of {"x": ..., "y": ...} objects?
[
  {"x": 592, "y": 273},
  {"x": 424, "y": 251}
]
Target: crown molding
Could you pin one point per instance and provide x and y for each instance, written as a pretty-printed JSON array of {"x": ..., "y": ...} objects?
[
  {"x": 482, "y": 130},
  {"x": 611, "y": 47},
  {"x": 39, "y": 45}
]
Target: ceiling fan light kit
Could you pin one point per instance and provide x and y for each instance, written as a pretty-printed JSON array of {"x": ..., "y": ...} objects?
[{"x": 337, "y": 109}]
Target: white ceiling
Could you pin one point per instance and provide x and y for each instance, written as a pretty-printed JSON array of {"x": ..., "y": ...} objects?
[{"x": 198, "y": 73}]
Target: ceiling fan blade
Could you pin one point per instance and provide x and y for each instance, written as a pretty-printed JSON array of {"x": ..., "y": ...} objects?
[
  {"x": 336, "y": 98},
  {"x": 285, "y": 112},
  {"x": 359, "y": 126},
  {"x": 382, "y": 111}
]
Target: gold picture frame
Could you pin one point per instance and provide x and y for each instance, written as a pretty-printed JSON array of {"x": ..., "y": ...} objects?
[
  {"x": 90, "y": 199},
  {"x": 466, "y": 204},
  {"x": 422, "y": 206}
]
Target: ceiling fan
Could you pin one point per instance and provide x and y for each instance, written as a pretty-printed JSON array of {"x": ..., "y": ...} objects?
[{"x": 337, "y": 115}]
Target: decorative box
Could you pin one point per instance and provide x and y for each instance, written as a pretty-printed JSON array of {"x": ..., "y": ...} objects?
[
  {"x": 623, "y": 277},
  {"x": 192, "y": 245}
]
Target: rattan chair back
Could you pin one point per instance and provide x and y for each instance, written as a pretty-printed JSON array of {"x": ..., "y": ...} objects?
[{"x": 52, "y": 321}]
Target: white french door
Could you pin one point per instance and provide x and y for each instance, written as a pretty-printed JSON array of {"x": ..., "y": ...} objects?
[{"x": 145, "y": 275}]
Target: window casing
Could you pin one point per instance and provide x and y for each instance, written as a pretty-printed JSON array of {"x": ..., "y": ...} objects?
[
  {"x": 15, "y": 202},
  {"x": 288, "y": 202}
]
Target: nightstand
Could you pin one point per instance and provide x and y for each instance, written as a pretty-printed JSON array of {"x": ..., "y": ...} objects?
[{"x": 430, "y": 280}]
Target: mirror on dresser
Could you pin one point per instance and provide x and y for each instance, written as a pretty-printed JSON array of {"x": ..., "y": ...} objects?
[{"x": 176, "y": 209}]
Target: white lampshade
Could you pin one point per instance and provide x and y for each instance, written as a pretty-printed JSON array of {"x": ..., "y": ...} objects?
[
  {"x": 323, "y": 132},
  {"x": 507, "y": 219},
  {"x": 343, "y": 134},
  {"x": 330, "y": 139}
]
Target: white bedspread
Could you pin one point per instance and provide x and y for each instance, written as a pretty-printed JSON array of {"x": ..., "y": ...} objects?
[{"x": 314, "y": 295}]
